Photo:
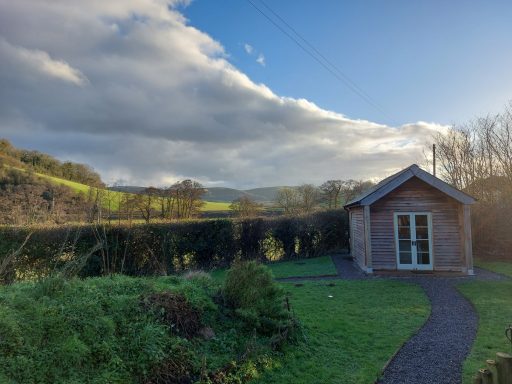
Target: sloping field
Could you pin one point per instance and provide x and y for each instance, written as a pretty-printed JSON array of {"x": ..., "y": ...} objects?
[{"x": 114, "y": 197}]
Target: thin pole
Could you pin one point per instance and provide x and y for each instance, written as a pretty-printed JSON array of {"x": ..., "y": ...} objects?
[{"x": 434, "y": 157}]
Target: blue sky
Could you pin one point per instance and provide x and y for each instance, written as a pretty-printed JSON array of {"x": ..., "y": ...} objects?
[
  {"x": 150, "y": 92},
  {"x": 440, "y": 61}
]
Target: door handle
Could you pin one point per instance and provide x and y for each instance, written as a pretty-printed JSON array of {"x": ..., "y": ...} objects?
[{"x": 413, "y": 243}]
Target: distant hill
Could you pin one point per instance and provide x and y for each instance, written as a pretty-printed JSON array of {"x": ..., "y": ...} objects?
[
  {"x": 127, "y": 189},
  {"x": 221, "y": 194}
]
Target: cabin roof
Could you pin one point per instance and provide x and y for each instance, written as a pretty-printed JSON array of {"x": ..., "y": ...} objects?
[{"x": 394, "y": 181}]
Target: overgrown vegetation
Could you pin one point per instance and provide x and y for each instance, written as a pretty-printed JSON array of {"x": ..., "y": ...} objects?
[
  {"x": 492, "y": 302},
  {"x": 162, "y": 249},
  {"x": 28, "y": 199},
  {"x": 133, "y": 330}
]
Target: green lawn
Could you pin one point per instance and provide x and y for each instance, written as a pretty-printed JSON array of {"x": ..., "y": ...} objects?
[
  {"x": 352, "y": 335},
  {"x": 496, "y": 266},
  {"x": 318, "y": 266},
  {"x": 493, "y": 303}
]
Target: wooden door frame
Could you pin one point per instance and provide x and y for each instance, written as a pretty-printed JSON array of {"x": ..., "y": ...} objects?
[{"x": 414, "y": 254}]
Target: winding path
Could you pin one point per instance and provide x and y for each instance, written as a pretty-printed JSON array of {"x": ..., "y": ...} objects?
[{"x": 436, "y": 352}]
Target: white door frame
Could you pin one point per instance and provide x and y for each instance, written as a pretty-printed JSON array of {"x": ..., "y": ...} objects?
[{"x": 414, "y": 255}]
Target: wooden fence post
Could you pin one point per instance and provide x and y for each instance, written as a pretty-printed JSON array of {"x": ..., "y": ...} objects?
[
  {"x": 504, "y": 367},
  {"x": 491, "y": 366},
  {"x": 486, "y": 376}
]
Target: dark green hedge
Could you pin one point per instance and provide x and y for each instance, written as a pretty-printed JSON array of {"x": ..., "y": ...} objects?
[{"x": 164, "y": 248}]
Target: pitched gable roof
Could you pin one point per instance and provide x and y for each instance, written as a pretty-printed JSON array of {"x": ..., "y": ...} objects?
[{"x": 394, "y": 181}]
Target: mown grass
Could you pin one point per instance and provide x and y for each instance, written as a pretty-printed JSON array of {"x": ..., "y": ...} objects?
[
  {"x": 492, "y": 300},
  {"x": 351, "y": 335},
  {"x": 317, "y": 266},
  {"x": 503, "y": 267}
]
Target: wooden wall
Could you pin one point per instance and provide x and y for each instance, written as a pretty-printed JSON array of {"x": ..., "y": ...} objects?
[
  {"x": 416, "y": 196},
  {"x": 357, "y": 235}
]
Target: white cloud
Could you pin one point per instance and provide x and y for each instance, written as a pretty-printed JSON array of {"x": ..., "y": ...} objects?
[
  {"x": 163, "y": 102},
  {"x": 261, "y": 60},
  {"x": 248, "y": 49},
  {"x": 41, "y": 62}
]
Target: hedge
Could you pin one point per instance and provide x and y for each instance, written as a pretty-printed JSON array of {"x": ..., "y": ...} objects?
[{"x": 166, "y": 248}]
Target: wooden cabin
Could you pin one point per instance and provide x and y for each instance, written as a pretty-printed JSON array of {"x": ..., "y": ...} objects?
[{"x": 412, "y": 221}]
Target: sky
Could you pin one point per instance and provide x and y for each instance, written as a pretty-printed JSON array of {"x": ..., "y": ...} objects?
[{"x": 150, "y": 92}]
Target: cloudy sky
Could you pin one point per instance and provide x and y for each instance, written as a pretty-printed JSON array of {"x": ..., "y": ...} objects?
[{"x": 151, "y": 91}]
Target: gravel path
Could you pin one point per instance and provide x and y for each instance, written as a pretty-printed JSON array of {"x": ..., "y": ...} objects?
[
  {"x": 346, "y": 268},
  {"x": 436, "y": 353}
]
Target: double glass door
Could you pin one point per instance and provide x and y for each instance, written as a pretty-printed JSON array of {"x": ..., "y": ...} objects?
[{"x": 413, "y": 234}]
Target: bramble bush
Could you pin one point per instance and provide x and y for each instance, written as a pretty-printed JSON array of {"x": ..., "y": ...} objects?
[{"x": 166, "y": 248}]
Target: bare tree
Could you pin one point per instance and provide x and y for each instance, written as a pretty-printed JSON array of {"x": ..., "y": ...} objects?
[
  {"x": 244, "y": 206},
  {"x": 288, "y": 199},
  {"x": 188, "y": 198},
  {"x": 476, "y": 157},
  {"x": 309, "y": 196},
  {"x": 331, "y": 190},
  {"x": 146, "y": 203}
]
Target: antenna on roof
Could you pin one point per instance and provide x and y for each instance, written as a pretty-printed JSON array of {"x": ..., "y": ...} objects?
[{"x": 434, "y": 158}]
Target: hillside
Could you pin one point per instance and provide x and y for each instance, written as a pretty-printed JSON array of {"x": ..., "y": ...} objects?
[
  {"x": 48, "y": 169},
  {"x": 114, "y": 197}
]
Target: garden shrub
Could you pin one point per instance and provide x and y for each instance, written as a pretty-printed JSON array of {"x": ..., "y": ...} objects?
[{"x": 250, "y": 290}]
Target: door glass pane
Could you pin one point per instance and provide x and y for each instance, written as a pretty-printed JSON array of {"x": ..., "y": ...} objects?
[
  {"x": 405, "y": 258},
  {"x": 421, "y": 220},
  {"x": 422, "y": 245},
  {"x": 423, "y": 258},
  {"x": 404, "y": 232},
  {"x": 405, "y": 245},
  {"x": 403, "y": 221},
  {"x": 422, "y": 233}
]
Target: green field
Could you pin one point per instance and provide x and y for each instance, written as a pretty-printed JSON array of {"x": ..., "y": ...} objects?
[
  {"x": 352, "y": 328},
  {"x": 492, "y": 300},
  {"x": 115, "y": 197},
  {"x": 318, "y": 266}
]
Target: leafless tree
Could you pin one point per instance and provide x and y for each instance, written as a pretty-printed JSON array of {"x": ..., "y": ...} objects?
[
  {"x": 187, "y": 196},
  {"x": 309, "y": 197},
  {"x": 476, "y": 157},
  {"x": 288, "y": 199},
  {"x": 244, "y": 206},
  {"x": 331, "y": 190}
]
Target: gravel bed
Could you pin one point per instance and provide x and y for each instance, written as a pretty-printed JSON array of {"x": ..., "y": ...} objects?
[
  {"x": 436, "y": 353},
  {"x": 346, "y": 268}
]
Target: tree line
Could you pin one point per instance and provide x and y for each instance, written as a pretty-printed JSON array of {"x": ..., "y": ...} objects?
[
  {"x": 305, "y": 198},
  {"x": 476, "y": 157},
  {"x": 44, "y": 163}
]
